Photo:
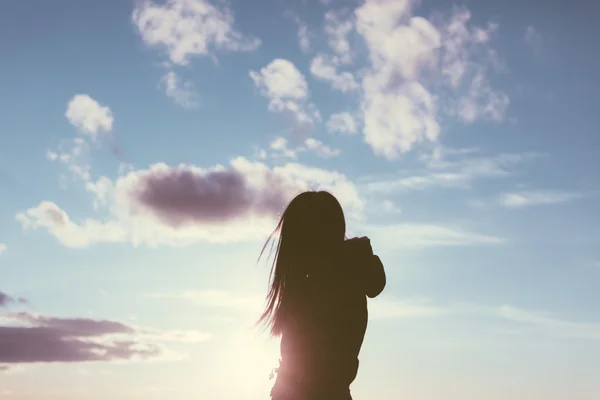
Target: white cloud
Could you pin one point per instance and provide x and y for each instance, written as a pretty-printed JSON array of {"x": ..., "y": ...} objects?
[
  {"x": 481, "y": 101},
  {"x": 279, "y": 146},
  {"x": 337, "y": 29},
  {"x": 342, "y": 122},
  {"x": 88, "y": 116},
  {"x": 323, "y": 68},
  {"x": 57, "y": 222},
  {"x": 2, "y": 248},
  {"x": 180, "y": 91},
  {"x": 178, "y": 218},
  {"x": 537, "y": 197},
  {"x": 452, "y": 174},
  {"x": 419, "y": 70},
  {"x": 281, "y": 79},
  {"x": 185, "y": 28},
  {"x": 395, "y": 122},
  {"x": 416, "y": 235},
  {"x": 286, "y": 88},
  {"x": 74, "y": 154},
  {"x": 320, "y": 148}
]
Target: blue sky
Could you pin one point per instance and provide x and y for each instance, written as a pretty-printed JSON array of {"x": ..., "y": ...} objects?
[{"x": 147, "y": 147}]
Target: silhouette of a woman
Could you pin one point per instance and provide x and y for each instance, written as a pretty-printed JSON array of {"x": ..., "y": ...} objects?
[{"x": 317, "y": 301}]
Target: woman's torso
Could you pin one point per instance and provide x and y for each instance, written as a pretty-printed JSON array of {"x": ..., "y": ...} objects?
[{"x": 321, "y": 342}]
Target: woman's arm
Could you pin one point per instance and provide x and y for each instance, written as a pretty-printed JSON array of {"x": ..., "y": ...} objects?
[
  {"x": 371, "y": 273},
  {"x": 375, "y": 279}
]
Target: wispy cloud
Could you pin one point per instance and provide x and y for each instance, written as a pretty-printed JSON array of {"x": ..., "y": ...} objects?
[
  {"x": 459, "y": 173},
  {"x": 342, "y": 122},
  {"x": 217, "y": 299},
  {"x": 280, "y": 147},
  {"x": 3, "y": 248},
  {"x": 537, "y": 197},
  {"x": 550, "y": 325},
  {"x": 385, "y": 307},
  {"x": 187, "y": 28},
  {"x": 324, "y": 69},
  {"x": 533, "y": 39},
  {"x": 180, "y": 91},
  {"x": 416, "y": 235},
  {"x": 539, "y": 323}
]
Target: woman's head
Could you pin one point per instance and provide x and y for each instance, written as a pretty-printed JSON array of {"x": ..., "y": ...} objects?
[{"x": 311, "y": 226}]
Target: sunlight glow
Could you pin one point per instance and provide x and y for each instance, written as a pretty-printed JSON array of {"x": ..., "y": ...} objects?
[{"x": 252, "y": 357}]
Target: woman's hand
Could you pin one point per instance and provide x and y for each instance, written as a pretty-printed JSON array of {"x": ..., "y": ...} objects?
[{"x": 370, "y": 268}]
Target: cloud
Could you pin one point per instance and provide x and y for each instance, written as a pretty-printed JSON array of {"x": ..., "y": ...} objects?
[
  {"x": 88, "y": 116},
  {"x": 533, "y": 39},
  {"x": 286, "y": 88},
  {"x": 342, "y": 122},
  {"x": 338, "y": 27},
  {"x": 538, "y": 197},
  {"x": 75, "y": 155},
  {"x": 320, "y": 148},
  {"x": 217, "y": 299},
  {"x": 416, "y": 235},
  {"x": 186, "y": 28},
  {"x": 554, "y": 326},
  {"x": 188, "y": 195},
  {"x": 180, "y": 91},
  {"x": 420, "y": 69},
  {"x": 228, "y": 301},
  {"x": 181, "y": 205},
  {"x": 391, "y": 307},
  {"x": 482, "y": 101},
  {"x": 49, "y": 216},
  {"x": 323, "y": 68},
  {"x": 304, "y": 36},
  {"x": 45, "y": 339},
  {"x": 2, "y": 248},
  {"x": 280, "y": 148},
  {"x": 453, "y": 174},
  {"x": 33, "y": 338},
  {"x": 6, "y": 300},
  {"x": 390, "y": 207}
]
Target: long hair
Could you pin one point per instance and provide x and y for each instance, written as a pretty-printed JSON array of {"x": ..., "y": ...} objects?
[{"x": 310, "y": 227}]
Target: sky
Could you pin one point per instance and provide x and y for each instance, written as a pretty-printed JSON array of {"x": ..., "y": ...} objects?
[{"x": 147, "y": 148}]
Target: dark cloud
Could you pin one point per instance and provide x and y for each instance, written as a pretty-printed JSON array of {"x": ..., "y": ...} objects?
[
  {"x": 29, "y": 338},
  {"x": 68, "y": 340},
  {"x": 187, "y": 195},
  {"x": 5, "y": 299}
]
